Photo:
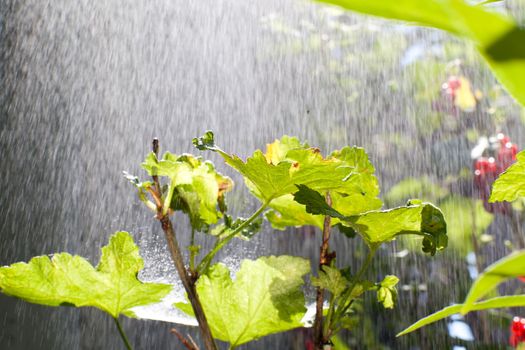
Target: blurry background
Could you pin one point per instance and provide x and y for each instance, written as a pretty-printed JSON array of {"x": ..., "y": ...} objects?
[{"x": 84, "y": 86}]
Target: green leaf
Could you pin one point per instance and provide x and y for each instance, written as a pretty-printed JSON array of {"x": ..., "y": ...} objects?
[
  {"x": 501, "y": 44},
  {"x": 387, "y": 292},
  {"x": 511, "y": 266},
  {"x": 265, "y": 298},
  {"x": 195, "y": 187},
  {"x": 288, "y": 162},
  {"x": 315, "y": 203},
  {"x": 112, "y": 287},
  {"x": 494, "y": 303},
  {"x": 331, "y": 279},
  {"x": 511, "y": 183},
  {"x": 377, "y": 227},
  {"x": 287, "y": 212}
]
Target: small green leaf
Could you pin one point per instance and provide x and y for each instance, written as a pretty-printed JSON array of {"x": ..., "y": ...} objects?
[
  {"x": 112, "y": 287},
  {"x": 314, "y": 202},
  {"x": 265, "y": 298},
  {"x": 332, "y": 280},
  {"x": 205, "y": 142},
  {"x": 387, "y": 292},
  {"x": 195, "y": 187},
  {"x": 511, "y": 183},
  {"x": 494, "y": 303},
  {"x": 511, "y": 266}
]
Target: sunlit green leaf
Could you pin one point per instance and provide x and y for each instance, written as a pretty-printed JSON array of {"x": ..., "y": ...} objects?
[
  {"x": 494, "y": 303},
  {"x": 272, "y": 177},
  {"x": 377, "y": 227},
  {"x": 510, "y": 184},
  {"x": 497, "y": 37},
  {"x": 387, "y": 292},
  {"x": 194, "y": 188},
  {"x": 287, "y": 212},
  {"x": 71, "y": 280},
  {"x": 265, "y": 298},
  {"x": 422, "y": 219}
]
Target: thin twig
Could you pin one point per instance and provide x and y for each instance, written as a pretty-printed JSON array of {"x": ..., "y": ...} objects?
[
  {"x": 188, "y": 343},
  {"x": 325, "y": 259},
  {"x": 188, "y": 281},
  {"x": 122, "y": 334}
]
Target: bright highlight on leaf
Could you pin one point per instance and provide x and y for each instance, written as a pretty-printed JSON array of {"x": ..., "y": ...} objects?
[
  {"x": 511, "y": 183},
  {"x": 265, "y": 298},
  {"x": 64, "y": 279},
  {"x": 501, "y": 46}
]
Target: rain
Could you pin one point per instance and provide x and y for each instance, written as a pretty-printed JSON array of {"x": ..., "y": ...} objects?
[{"x": 86, "y": 85}]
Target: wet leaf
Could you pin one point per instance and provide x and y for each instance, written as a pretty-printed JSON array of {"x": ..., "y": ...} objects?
[
  {"x": 380, "y": 226},
  {"x": 265, "y": 298},
  {"x": 387, "y": 292},
  {"x": 424, "y": 219},
  {"x": 195, "y": 187},
  {"x": 511, "y": 183},
  {"x": 64, "y": 279}
]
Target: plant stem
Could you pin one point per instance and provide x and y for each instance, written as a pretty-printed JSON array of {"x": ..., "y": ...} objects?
[
  {"x": 206, "y": 261},
  {"x": 188, "y": 343},
  {"x": 345, "y": 302},
  {"x": 122, "y": 334},
  {"x": 188, "y": 280},
  {"x": 324, "y": 260}
]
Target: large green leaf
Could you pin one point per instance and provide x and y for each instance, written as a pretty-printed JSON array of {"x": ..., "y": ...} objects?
[
  {"x": 423, "y": 219},
  {"x": 275, "y": 173},
  {"x": 497, "y": 37},
  {"x": 494, "y": 303},
  {"x": 195, "y": 187},
  {"x": 510, "y": 184},
  {"x": 379, "y": 226},
  {"x": 265, "y": 298},
  {"x": 511, "y": 266},
  {"x": 71, "y": 280},
  {"x": 272, "y": 177}
]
